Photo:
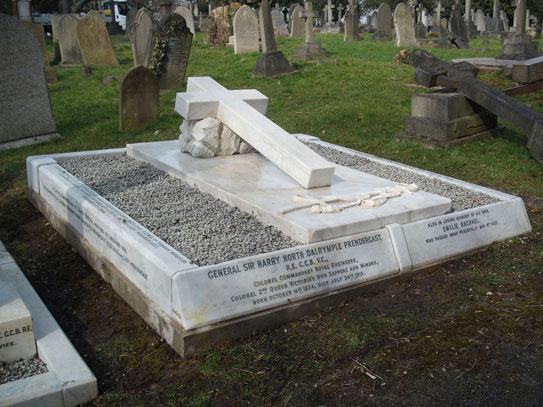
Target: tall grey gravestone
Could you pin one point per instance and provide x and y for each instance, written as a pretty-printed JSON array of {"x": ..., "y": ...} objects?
[
  {"x": 404, "y": 25},
  {"x": 67, "y": 40},
  {"x": 142, "y": 38},
  {"x": 351, "y": 23},
  {"x": 172, "y": 51},
  {"x": 297, "y": 23},
  {"x": 25, "y": 110},
  {"x": 246, "y": 31},
  {"x": 130, "y": 21},
  {"x": 457, "y": 27},
  {"x": 139, "y": 99},
  {"x": 278, "y": 21},
  {"x": 384, "y": 22}
]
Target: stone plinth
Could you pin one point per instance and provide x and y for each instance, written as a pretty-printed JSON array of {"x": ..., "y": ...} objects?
[
  {"x": 17, "y": 339},
  {"x": 445, "y": 119},
  {"x": 310, "y": 51}
]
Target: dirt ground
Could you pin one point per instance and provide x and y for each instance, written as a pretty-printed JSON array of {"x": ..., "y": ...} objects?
[{"x": 468, "y": 332}]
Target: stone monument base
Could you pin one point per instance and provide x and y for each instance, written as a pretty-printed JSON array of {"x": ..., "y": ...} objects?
[
  {"x": 309, "y": 51},
  {"x": 519, "y": 47},
  {"x": 272, "y": 64},
  {"x": 195, "y": 307},
  {"x": 447, "y": 119}
]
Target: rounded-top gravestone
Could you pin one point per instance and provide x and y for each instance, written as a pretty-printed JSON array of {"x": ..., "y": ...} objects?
[
  {"x": 404, "y": 26},
  {"x": 185, "y": 12},
  {"x": 25, "y": 110},
  {"x": 94, "y": 41},
  {"x": 297, "y": 29},
  {"x": 383, "y": 22},
  {"x": 139, "y": 99},
  {"x": 142, "y": 38},
  {"x": 246, "y": 30}
]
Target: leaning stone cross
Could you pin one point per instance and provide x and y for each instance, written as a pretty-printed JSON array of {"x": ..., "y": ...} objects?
[
  {"x": 308, "y": 14},
  {"x": 243, "y": 112}
]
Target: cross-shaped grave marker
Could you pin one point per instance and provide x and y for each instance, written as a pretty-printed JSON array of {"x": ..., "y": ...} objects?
[
  {"x": 308, "y": 14},
  {"x": 329, "y": 8},
  {"x": 243, "y": 112},
  {"x": 340, "y": 12}
]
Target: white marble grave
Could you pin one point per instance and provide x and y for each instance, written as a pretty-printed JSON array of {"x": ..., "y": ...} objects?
[
  {"x": 195, "y": 307},
  {"x": 255, "y": 185},
  {"x": 17, "y": 339},
  {"x": 207, "y": 98}
]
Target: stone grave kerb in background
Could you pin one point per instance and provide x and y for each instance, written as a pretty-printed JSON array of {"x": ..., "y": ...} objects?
[{"x": 207, "y": 98}]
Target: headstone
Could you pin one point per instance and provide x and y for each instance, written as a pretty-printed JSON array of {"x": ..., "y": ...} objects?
[
  {"x": 55, "y": 18},
  {"x": 404, "y": 26},
  {"x": 457, "y": 27},
  {"x": 142, "y": 38},
  {"x": 518, "y": 45},
  {"x": 139, "y": 100},
  {"x": 309, "y": 49},
  {"x": 187, "y": 15},
  {"x": 480, "y": 20},
  {"x": 246, "y": 30},
  {"x": 94, "y": 41},
  {"x": 329, "y": 14},
  {"x": 67, "y": 37},
  {"x": 25, "y": 110},
  {"x": 17, "y": 339},
  {"x": 505, "y": 20},
  {"x": 278, "y": 21},
  {"x": 383, "y": 29},
  {"x": 23, "y": 10},
  {"x": 271, "y": 62},
  {"x": 447, "y": 119},
  {"x": 297, "y": 29},
  {"x": 445, "y": 24},
  {"x": 131, "y": 18},
  {"x": 171, "y": 53},
  {"x": 351, "y": 23},
  {"x": 50, "y": 73}
]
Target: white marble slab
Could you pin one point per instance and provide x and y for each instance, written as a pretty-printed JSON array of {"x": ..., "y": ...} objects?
[
  {"x": 253, "y": 184},
  {"x": 69, "y": 382},
  {"x": 146, "y": 260},
  {"x": 210, "y": 294},
  {"x": 499, "y": 63},
  {"x": 17, "y": 339},
  {"x": 207, "y": 98},
  {"x": 444, "y": 237}
]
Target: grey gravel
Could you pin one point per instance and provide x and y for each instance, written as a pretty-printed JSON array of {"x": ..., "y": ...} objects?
[
  {"x": 203, "y": 228},
  {"x": 207, "y": 230},
  {"x": 9, "y": 372},
  {"x": 461, "y": 198}
]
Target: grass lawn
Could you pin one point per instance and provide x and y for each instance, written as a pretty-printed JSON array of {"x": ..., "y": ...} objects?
[{"x": 468, "y": 332}]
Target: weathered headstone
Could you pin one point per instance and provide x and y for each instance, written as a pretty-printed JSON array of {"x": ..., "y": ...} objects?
[
  {"x": 404, "y": 26},
  {"x": 309, "y": 49},
  {"x": 55, "y": 18},
  {"x": 383, "y": 28},
  {"x": 458, "y": 32},
  {"x": 271, "y": 62},
  {"x": 67, "y": 37},
  {"x": 171, "y": 51},
  {"x": 297, "y": 27},
  {"x": 25, "y": 110},
  {"x": 187, "y": 15},
  {"x": 142, "y": 38},
  {"x": 131, "y": 18},
  {"x": 351, "y": 23},
  {"x": 278, "y": 21},
  {"x": 139, "y": 100},
  {"x": 518, "y": 45},
  {"x": 480, "y": 20},
  {"x": 246, "y": 31},
  {"x": 94, "y": 41},
  {"x": 50, "y": 73}
]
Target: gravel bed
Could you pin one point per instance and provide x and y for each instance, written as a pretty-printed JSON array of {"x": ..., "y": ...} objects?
[
  {"x": 9, "y": 372},
  {"x": 203, "y": 228},
  {"x": 461, "y": 198},
  {"x": 207, "y": 230}
]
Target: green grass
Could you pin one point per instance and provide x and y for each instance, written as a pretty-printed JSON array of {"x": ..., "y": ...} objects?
[{"x": 420, "y": 336}]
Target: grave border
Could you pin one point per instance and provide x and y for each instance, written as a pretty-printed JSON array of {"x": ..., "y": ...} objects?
[
  {"x": 188, "y": 342},
  {"x": 69, "y": 381}
]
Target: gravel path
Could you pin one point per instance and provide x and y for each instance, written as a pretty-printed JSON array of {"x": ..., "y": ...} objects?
[
  {"x": 21, "y": 369},
  {"x": 461, "y": 198},
  {"x": 205, "y": 229}
]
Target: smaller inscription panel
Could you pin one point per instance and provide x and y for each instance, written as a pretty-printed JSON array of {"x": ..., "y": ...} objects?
[
  {"x": 433, "y": 240},
  {"x": 216, "y": 293},
  {"x": 145, "y": 259}
]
